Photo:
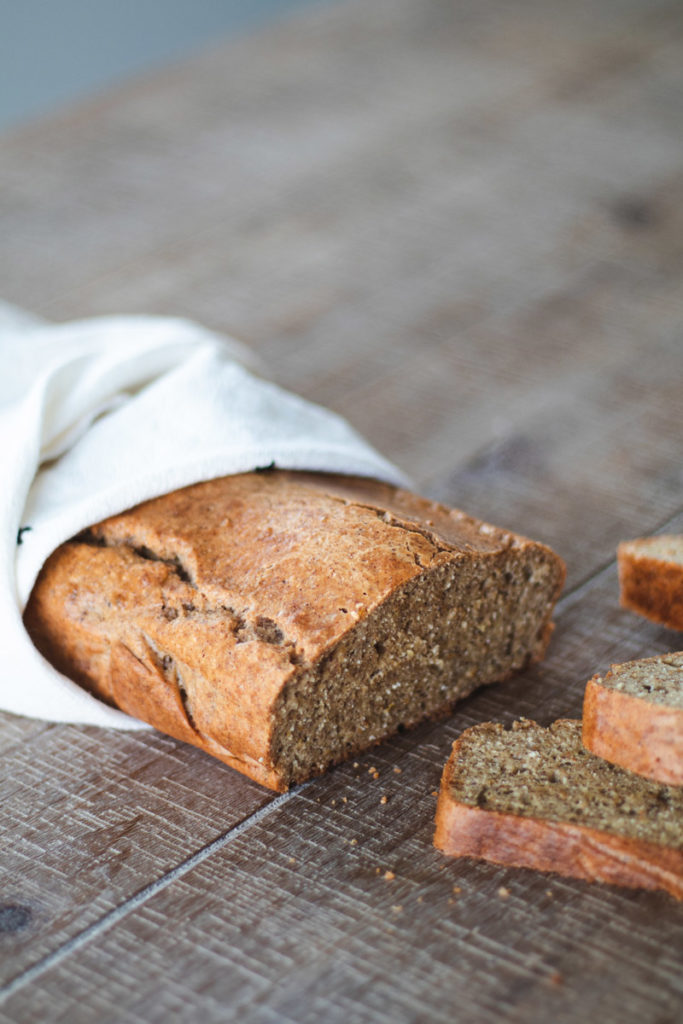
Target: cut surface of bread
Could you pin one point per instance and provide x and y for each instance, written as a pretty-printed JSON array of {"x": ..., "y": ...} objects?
[
  {"x": 283, "y": 621},
  {"x": 651, "y": 578},
  {"x": 633, "y": 716},
  {"x": 535, "y": 797}
]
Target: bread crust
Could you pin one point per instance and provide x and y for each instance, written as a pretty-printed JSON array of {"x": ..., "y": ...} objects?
[
  {"x": 641, "y": 735},
  {"x": 198, "y": 611},
  {"x": 574, "y": 851},
  {"x": 649, "y": 585}
]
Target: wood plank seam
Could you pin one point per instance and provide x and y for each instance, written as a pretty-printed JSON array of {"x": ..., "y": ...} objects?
[{"x": 115, "y": 915}]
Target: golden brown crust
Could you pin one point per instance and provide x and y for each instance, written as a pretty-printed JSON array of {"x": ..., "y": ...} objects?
[
  {"x": 194, "y": 611},
  {"x": 637, "y": 734},
  {"x": 119, "y": 664},
  {"x": 650, "y": 586},
  {"x": 574, "y": 851}
]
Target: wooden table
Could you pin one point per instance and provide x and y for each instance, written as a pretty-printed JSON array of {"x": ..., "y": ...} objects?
[{"x": 460, "y": 225}]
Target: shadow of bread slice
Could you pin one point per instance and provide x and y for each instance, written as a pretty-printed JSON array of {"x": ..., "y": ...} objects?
[
  {"x": 651, "y": 578},
  {"x": 535, "y": 797},
  {"x": 633, "y": 716},
  {"x": 284, "y": 621}
]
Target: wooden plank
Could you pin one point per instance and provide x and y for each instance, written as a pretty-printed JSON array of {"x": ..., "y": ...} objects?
[
  {"x": 295, "y": 919},
  {"x": 264, "y": 189},
  {"x": 89, "y": 816},
  {"x": 444, "y": 406}
]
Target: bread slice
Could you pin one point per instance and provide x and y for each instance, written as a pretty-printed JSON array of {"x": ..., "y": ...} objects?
[
  {"x": 284, "y": 621},
  {"x": 535, "y": 797},
  {"x": 651, "y": 578},
  {"x": 633, "y": 716}
]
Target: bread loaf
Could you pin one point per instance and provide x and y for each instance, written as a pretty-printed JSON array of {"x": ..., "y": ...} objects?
[
  {"x": 284, "y": 621},
  {"x": 633, "y": 716},
  {"x": 535, "y": 797},
  {"x": 651, "y": 578}
]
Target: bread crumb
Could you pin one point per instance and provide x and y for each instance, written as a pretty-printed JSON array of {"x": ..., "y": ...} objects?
[
  {"x": 503, "y": 892},
  {"x": 376, "y": 776},
  {"x": 389, "y": 875},
  {"x": 355, "y": 764},
  {"x": 397, "y": 770},
  {"x": 457, "y": 888},
  {"x": 397, "y": 909},
  {"x": 333, "y": 803},
  {"x": 548, "y": 892},
  {"x": 353, "y": 842},
  {"x": 291, "y": 860},
  {"x": 383, "y": 799},
  {"x": 371, "y": 771},
  {"x": 345, "y": 800},
  {"x": 435, "y": 792}
]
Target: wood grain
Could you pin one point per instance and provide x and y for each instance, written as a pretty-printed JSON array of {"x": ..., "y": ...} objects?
[
  {"x": 460, "y": 225},
  {"x": 89, "y": 816}
]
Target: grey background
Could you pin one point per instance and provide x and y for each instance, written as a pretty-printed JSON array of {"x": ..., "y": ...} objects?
[{"x": 53, "y": 52}]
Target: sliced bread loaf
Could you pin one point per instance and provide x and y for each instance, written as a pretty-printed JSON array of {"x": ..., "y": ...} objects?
[
  {"x": 283, "y": 621},
  {"x": 633, "y": 716},
  {"x": 651, "y": 578},
  {"x": 535, "y": 797}
]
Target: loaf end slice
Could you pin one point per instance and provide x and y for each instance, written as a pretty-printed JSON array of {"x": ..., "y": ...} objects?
[
  {"x": 285, "y": 621},
  {"x": 651, "y": 578},
  {"x": 535, "y": 797},
  {"x": 633, "y": 717}
]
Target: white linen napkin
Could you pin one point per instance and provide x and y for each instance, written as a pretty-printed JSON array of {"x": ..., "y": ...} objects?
[{"x": 98, "y": 415}]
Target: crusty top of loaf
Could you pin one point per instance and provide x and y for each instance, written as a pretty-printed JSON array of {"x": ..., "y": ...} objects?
[{"x": 254, "y": 534}]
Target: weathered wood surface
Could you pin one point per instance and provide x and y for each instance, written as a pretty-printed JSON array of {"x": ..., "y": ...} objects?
[{"x": 460, "y": 225}]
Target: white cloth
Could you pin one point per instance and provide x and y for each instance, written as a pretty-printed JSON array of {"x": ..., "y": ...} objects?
[{"x": 98, "y": 415}]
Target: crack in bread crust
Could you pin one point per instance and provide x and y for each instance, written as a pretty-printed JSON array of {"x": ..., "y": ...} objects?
[{"x": 259, "y": 628}]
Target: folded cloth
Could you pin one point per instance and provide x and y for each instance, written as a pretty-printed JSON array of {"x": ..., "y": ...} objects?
[{"x": 98, "y": 415}]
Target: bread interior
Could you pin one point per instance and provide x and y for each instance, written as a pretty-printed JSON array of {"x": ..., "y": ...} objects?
[
  {"x": 659, "y": 680},
  {"x": 432, "y": 642},
  {"x": 547, "y": 773}
]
